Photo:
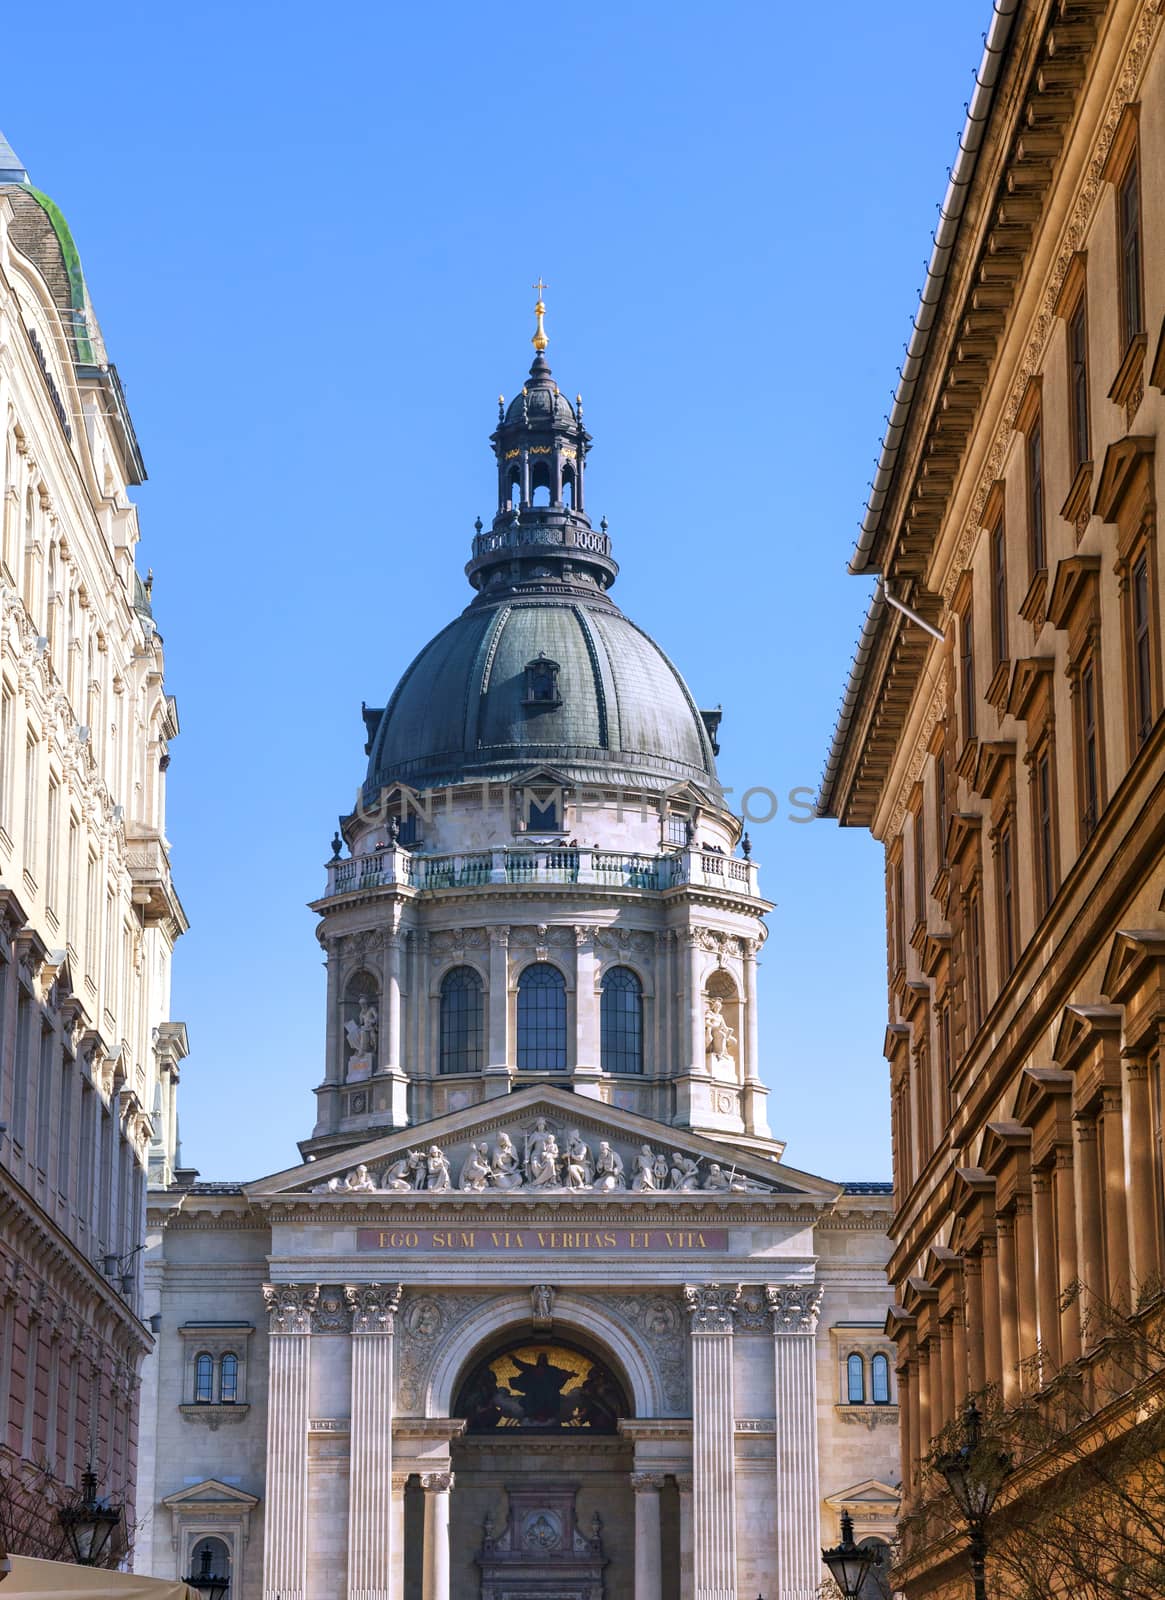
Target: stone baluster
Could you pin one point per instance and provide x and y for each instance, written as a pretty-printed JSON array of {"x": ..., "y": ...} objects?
[
  {"x": 437, "y": 1487},
  {"x": 371, "y": 1546},
  {"x": 290, "y": 1306},
  {"x": 794, "y": 1309},
  {"x": 712, "y": 1308},
  {"x": 396, "y": 1586},
  {"x": 687, "y": 1550},
  {"x": 648, "y": 1550}
]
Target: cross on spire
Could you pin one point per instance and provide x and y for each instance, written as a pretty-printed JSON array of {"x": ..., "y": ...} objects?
[{"x": 539, "y": 340}]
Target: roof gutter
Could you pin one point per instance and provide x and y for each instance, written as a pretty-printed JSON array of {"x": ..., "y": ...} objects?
[{"x": 995, "y": 43}]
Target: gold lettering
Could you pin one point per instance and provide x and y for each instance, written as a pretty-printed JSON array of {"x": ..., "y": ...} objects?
[
  {"x": 542, "y": 1240},
  {"x": 467, "y": 1240},
  {"x": 517, "y": 1240},
  {"x": 703, "y": 1245},
  {"x": 439, "y": 1240},
  {"x": 609, "y": 1240},
  {"x": 496, "y": 1237}
]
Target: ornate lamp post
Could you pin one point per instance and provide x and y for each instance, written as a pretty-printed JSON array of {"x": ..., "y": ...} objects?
[
  {"x": 89, "y": 1524},
  {"x": 975, "y": 1474},
  {"x": 209, "y": 1584},
  {"x": 848, "y": 1562}
]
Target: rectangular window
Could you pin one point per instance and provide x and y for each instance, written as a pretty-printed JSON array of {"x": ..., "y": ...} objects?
[
  {"x": 21, "y": 1068},
  {"x": 974, "y": 936},
  {"x": 83, "y": 1201},
  {"x": 1078, "y": 386},
  {"x": 71, "y": 934},
  {"x": 44, "y": 1100},
  {"x": 65, "y": 1128},
  {"x": 91, "y": 920},
  {"x": 919, "y": 866},
  {"x": 1008, "y": 939},
  {"x": 1142, "y": 650},
  {"x": 31, "y": 797},
  {"x": 1129, "y": 219},
  {"x": 899, "y": 915},
  {"x": 1037, "y": 540},
  {"x": 7, "y": 725},
  {"x": 999, "y": 592},
  {"x": 1045, "y": 835},
  {"x": 967, "y": 651},
  {"x": 940, "y": 804},
  {"x": 925, "y": 1106},
  {"x": 678, "y": 828},
  {"x": 1089, "y": 753},
  {"x": 52, "y": 846}
]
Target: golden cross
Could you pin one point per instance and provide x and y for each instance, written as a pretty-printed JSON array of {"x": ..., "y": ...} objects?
[{"x": 539, "y": 286}]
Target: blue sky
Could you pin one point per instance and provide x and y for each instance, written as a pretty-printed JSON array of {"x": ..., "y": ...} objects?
[{"x": 309, "y": 236}]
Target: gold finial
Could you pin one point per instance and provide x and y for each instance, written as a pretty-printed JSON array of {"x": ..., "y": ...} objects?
[{"x": 539, "y": 340}]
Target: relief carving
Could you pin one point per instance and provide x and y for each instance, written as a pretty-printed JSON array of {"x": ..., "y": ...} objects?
[
  {"x": 794, "y": 1306},
  {"x": 290, "y": 1306},
  {"x": 373, "y": 1306},
  {"x": 712, "y": 1306}
]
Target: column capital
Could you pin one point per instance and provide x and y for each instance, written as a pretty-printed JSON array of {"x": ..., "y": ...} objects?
[
  {"x": 436, "y": 1482},
  {"x": 290, "y": 1305},
  {"x": 684, "y": 1482},
  {"x": 794, "y": 1307},
  {"x": 400, "y": 1482},
  {"x": 647, "y": 1482},
  {"x": 373, "y": 1306},
  {"x": 712, "y": 1306}
]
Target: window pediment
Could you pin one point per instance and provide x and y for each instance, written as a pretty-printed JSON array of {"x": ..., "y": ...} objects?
[
  {"x": 1125, "y": 490},
  {"x": 1135, "y": 979}
]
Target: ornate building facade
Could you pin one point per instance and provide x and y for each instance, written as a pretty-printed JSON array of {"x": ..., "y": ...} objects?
[
  {"x": 541, "y": 1309},
  {"x": 88, "y": 917},
  {"x": 1013, "y": 766}
]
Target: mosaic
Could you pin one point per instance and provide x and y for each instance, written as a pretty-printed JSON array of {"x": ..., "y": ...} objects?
[{"x": 549, "y": 1387}]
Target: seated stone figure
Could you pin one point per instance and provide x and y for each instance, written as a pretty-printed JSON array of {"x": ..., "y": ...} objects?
[{"x": 609, "y": 1169}]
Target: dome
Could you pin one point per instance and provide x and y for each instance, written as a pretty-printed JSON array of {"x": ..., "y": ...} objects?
[
  {"x": 539, "y": 403},
  {"x": 617, "y": 711}
]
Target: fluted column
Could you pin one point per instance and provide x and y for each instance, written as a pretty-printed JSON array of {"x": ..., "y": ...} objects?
[
  {"x": 712, "y": 1308},
  {"x": 437, "y": 1487},
  {"x": 1138, "y": 1142},
  {"x": 372, "y": 1548},
  {"x": 687, "y": 1554},
  {"x": 1025, "y": 1289},
  {"x": 1008, "y": 1306},
  {"x": 396, "y": 1582},
  {"x": 794, "y": 1309},
  {"x": 290, "y": 1307},
  {"x": 648, "y": 1551}
]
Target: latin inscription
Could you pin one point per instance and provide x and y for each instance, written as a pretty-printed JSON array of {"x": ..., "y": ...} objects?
[{"x": 508, "y": 1241}]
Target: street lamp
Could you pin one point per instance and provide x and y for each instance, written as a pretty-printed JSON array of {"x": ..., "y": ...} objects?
[
  {"x": 848, "y": 1562},
  {"x": 975, "y": 1474},
  {"x": 208, "y": 1583},
  {"x": 89, "y": 1524}
]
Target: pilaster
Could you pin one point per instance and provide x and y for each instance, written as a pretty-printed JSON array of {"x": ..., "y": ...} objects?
[
  {"x": 372, "y": 1547},
  {"x": 648, "y": 1550},
  {"x": 712, "y": 1308},
  {"x": 290, "y": 1306},
  {"x": 794, "y": 1309}
]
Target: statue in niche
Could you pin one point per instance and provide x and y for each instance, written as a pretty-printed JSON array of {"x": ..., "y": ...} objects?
[
  {"x": 718, "y": 1034},
  {"x": 437, "y": 1175},
  {"x": 608, "y": 1169},
  {"x": 506, "y": 1170},
  {"x": 580, "y": 1169},
  {"x": 476, "y": 1172},
  {"x": 542, "y": 1169},
  {"x": 362, "y": 1031},
  {"x": 685, "y": 1173},
  {"x": 643, "y": 1169}
]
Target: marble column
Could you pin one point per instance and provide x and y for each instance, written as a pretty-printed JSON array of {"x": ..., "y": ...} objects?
[
  {"x": 648, "y": 1549},
  {"x": 1008, "y": 1307},
  {"x": 1138, "y": 1142},
  {"x": 973, "y": 1296},
  {"x": 437, "y": 1487},
  {"x": 498, "y": 1052},
  {"x": 751, "y": 1014},
  {"x": 697, "y": 1051},
  {"x": 794, "y": 1309},
  {"x": 372, "y": 1547},
  {"x": 687, "y": 1552},
  {"x": 290, "y": 1307},
  {"x": 396, "y": 1577},
  {"x": 712, "y": 1308},
  {"x": 1090, "y": 1263}
]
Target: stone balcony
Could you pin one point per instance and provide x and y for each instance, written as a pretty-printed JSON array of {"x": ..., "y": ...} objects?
[
  {"x": 582, "y": 866},
  {"x": 153, "y": 888}
]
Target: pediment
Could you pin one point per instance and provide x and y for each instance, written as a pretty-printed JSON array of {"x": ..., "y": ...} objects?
[
  {"x": 515, "y": 1130},
  {"x": 870, "y": 1493},
  {"x": 210, "y": 1492}
]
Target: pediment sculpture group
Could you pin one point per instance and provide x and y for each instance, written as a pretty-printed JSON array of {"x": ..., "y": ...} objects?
[{"x": 544, "y": 1165}]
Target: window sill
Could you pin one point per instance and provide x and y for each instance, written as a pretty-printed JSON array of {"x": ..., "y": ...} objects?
[
  {"x": 1033, "y": 605},
  {"x": 212, "y": 1416}
]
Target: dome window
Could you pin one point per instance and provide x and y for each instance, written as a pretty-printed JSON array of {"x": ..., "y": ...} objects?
[{"x": 542, "y": 684}]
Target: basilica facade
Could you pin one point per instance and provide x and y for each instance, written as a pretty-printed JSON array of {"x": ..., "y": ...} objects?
[{"x": 540, "y": 1311}]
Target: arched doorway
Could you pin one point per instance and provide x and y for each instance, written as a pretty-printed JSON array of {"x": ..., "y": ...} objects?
[{"x": 542, "y": 1471}]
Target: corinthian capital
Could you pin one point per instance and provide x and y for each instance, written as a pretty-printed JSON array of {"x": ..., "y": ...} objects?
[
  {"x": 794, "y": 1306},
  {"x": 290, "y": 1305},
  {"x": 711, "y": 1306},
  {"x": 373, "y": 1306}
]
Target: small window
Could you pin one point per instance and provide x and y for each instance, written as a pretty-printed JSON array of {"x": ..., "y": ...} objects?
[
  {"x": 213, "y": 1555},
  {"x": 203, "y": 1380},
  {"x": 678, "y": 828},
  {"x": 1079, "y": 430},
  {"x": 919, "y": 866},
  {"x": 1008, "y": 919},
  {"x": 967, "y": 663},
  {"x": 542, "y": 683},
  {"x": 855, "y": 1380},
  {"x": 229, "y": 1380},
  {"x": 880, "y": 1380}
]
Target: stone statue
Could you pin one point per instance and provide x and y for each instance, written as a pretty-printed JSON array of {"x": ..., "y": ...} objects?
[
  {"x": 719, "y": 1181},
  {"x": 534, "y": 1144},
  {"x": 437, "y": 1176},
  {"x": 685, "y": 1173},
  {"x": 361, "y": 1180},
  {"x": 643, "y": 1169},
  {"x": 400, "y": 1175},
  {"x": 476, "y": 1174},
  {"x": 506, "y": 1171},
  {"x": 608, "y": 1169},
  {"x": 362, "y": 1033},
  {"x": 580, "y": 1169},
  {"x": 542, "y": 1168},
  {"x": 660, "y": 1171},
  {"x": 718, "y": 1035}
]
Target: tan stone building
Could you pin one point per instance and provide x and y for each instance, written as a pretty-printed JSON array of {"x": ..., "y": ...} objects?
[
  {"x": 89, "y": 1058},
  {"x": 1015, "y": 767},
  {"x": 542, "y": 1311}
]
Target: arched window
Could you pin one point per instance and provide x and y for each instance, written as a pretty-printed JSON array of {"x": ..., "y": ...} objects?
[
  {"x": 541, "y": 495},
  {"x": 203, "y": 1380},
  {"x": 880, "y": 1380},
  {"x": 621, "y": 1021},
  {"x": 461, "y": 1021},
  {"x": 567, "y": 490},
  {"x": 855, "y": 1380},
  {"x": 228, "y": 1387},
  {"x": 541, "y": 1019},
  {"x": 876, "y": 1583},
  {"x": 220, "y": 1558}
]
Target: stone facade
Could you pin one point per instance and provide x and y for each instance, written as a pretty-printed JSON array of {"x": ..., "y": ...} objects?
[{"x": 88, "y": 916}]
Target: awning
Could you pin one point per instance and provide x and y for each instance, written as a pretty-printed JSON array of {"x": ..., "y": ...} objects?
[{"x": 63, "y": 1580}]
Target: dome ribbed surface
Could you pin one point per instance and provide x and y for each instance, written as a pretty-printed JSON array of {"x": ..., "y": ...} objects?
[{"x": 625, "y": 715}]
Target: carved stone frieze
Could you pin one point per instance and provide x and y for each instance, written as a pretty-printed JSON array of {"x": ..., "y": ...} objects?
[
  {"x": 290, "y": 1306},
  {"x": 331, "y": 1314},
  {"x": 373, "y": 1306},
  {"x": 752, "y": 1311},
  {"x": 794, "y": 1306},
  {"x": 421, "y": 1319},
  {"x": 712, "y": 1306},
  {"x": 656, "y": 1324}
]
